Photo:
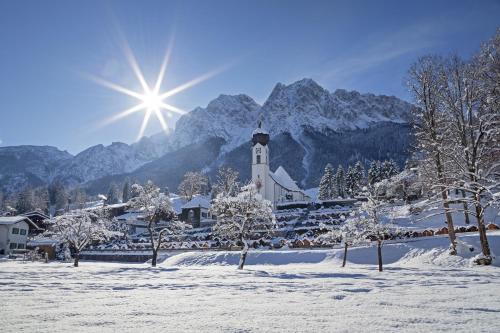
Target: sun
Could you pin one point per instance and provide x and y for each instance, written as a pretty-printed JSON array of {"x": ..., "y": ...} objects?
[{"x": 151, "y": 100}]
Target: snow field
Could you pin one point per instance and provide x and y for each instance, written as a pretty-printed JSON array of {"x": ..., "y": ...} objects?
[{"x": 421, "y": 289}]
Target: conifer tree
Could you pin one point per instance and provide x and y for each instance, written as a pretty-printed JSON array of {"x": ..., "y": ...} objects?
[
  {"x": 374, "y": 173},
  {"x": 126, "y": 192},
  {"x": 340, "y": 181},
  {"x": 326, "y": 185}
]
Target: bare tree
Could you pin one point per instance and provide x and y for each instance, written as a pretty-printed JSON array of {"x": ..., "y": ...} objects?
[
  {"x": 475, "y": 137},
  {"x": 429, "y": 124},
  {"x": 192, "y": 184},
  {"x": 227, "y": 182}
]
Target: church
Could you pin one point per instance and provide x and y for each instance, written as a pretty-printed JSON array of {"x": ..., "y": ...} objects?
[{"x": 277, "y": 187}]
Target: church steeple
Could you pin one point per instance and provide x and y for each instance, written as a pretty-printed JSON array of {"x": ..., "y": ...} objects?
[
  {"x": 260, "y": 160},
  {"x": 260, "y": 135}
]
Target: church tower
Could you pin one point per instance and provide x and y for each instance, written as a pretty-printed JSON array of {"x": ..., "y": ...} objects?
[{"x": 260, "y": 161}]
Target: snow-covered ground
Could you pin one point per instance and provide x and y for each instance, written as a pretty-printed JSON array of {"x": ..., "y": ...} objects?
[{"x": 422, "y": 289}]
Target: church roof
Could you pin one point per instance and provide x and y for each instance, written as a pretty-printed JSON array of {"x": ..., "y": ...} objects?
[
  {"x": 259, "y": 130},
  {"x": 281, "y": 177}
]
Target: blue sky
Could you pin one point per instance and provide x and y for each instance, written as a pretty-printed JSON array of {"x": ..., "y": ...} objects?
[{"x": 46, "y": 47}]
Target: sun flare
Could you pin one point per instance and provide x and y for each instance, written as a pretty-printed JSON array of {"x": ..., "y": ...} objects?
[{"x": 151, "y": 100}]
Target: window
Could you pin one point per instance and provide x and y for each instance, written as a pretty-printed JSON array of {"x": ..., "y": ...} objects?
[
  {"x": 258, "y": 159},
  {"x": 23, "y": 231},
  {"x": 203, "y": 214},
  {"x": 13, "y": 246},
  {"x": 15, "y": 231},
  {"x": 20, "y": 246}
]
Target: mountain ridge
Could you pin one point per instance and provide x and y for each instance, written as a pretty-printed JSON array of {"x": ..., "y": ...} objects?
[{"x": 303, "y": 110}]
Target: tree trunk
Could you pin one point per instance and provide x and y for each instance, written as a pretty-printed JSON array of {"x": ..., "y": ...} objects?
[
  {"x": 77, "y": 258},
  {"x": 155, "y": 256},
  {"x": 345, "y": 255},
  {"x": 446, "y": 206},
  {"x": 243, "y": 255},
  {"x": 449, "y": 222},
  {"x": 485, "y": 247},
  {"x": 466, "y": 208},
  {"x": 379, "y": 254}
]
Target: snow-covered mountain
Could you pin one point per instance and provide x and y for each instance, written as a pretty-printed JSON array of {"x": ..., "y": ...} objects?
[
  {"x": 28, "y": 166},
  {"x": 289, "y": 109},
  {"x": 309, "y": 127},
  {"x": 99, "y": 161},
  {"x": 305, "y": 103},
  {"x": 23, "y": 166},
  {"x": 229, "y": 117}
]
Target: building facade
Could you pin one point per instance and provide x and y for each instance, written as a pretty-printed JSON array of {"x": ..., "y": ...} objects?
[
  {"x": 14, "y": 232},
  {"x": 277, "y": 187}
]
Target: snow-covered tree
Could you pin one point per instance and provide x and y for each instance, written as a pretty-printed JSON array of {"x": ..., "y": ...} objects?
[
  {"x": 158, "y": 214},
  {"x": 430, "y": 123},
  {"x": 374, "y": 174},
  {"x": 353, "y": 180},
  {"x": 359, "y": 171},
  {"x": 243, "y": 218},
  {"x": 31, "y": 199},
  {"x": 340, "y": 181},
  {"x": 353, "y": 232},
  {"x": 227, "y": 182},
  {"x": 192, "y": 184},
  {"x": 25, "y": 201},
  {"x": 78, "y": 197},
  {"x": 371, "y": 224},
  {"x": 58, "y": 196},
  {"x": 79, "y": 229},
  {"x": 113, "y": 196},
  {"x": 126, "y": 192},
  {"x": 327, "y": 184},
  {"x": 474, "y": 145},
  {"x": 388, "y": 169}
]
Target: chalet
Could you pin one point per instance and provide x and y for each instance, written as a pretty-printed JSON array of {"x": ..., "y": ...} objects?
[
  {"x": 38, "y": 218},
  {"x": 14, "y": 233},
  {"x": 197, "y": 212},
  {"x": 135, "y": 222},
  {"x": 277, "y": 187}
]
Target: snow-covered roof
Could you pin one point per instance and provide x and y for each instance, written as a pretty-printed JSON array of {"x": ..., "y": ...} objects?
[
  {"x": 43, "y": 241},
  {"x": 35, "y": 212},
  {"x": 12, "y": 219},
  {"x": 131, "y": 215},
  {"x": 259, "y": 130},
  {"x": 9, "y": 220},
  {"x": 196, "y": 202},
  {"x": 281, "y": 177}
]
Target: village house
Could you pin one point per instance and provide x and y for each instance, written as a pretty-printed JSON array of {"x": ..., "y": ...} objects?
[
  {"x": 14, "y": 232},
  {"x": 197, "y": 212}
]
